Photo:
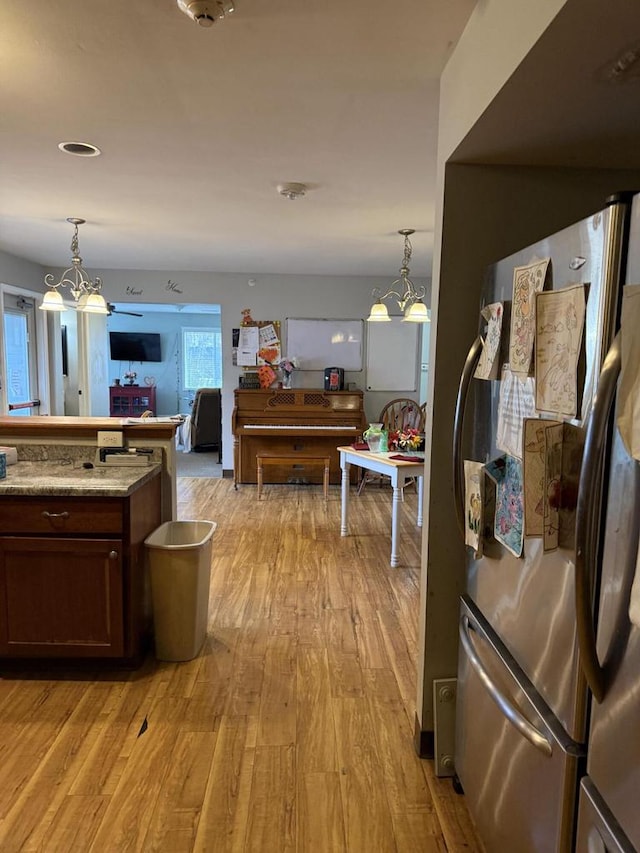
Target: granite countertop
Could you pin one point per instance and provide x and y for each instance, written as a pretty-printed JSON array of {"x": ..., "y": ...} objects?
[{"x": 60, "y": 478}]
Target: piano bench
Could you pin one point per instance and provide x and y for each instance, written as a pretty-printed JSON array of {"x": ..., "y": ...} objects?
[{"x": 263, "y": 459}]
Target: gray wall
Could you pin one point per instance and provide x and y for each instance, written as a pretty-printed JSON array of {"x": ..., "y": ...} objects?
[{"x": 20, "y": 273}]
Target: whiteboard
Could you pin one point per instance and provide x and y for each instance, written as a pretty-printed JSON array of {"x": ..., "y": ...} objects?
[
  {"x": 392, "y": 356},
  {"x": 325, "y": 343}
]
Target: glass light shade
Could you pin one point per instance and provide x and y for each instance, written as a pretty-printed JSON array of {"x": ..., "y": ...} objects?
[
  {"x": 417, "y": 313},
  {"x": 52, "y": 301},
  {"x": 379, "y": 314},
  {"x": 92, "y": 303}
]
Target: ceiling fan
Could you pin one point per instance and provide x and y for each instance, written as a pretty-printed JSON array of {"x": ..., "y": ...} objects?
[{"x": 111, "y": 309}]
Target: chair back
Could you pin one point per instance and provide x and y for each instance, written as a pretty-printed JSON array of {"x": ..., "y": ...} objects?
[
  {"x": 206, "y": 419},
  {"x": 402, "y": 413}
]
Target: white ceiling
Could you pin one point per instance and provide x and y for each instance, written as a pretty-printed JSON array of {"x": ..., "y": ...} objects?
[{"x": 199, "y": 126}]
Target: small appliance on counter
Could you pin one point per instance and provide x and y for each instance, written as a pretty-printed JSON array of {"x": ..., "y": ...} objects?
[
  {"x": 334, "y": 379},
  {"x": 132, "y": 456}
]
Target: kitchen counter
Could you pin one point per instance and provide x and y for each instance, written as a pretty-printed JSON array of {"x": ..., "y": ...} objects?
[
  {"x": 58, "y": 478},
  {"x": 39, "y": 438}
]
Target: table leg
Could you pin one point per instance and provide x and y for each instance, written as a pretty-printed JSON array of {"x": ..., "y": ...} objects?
[
  {"x": 345, "y": 497},
  {"x": 419, "y": 521},
  {"x": 397, "y": 499}
]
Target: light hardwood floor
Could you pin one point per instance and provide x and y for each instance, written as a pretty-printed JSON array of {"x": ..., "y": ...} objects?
[{"x": 291, "y": 731}]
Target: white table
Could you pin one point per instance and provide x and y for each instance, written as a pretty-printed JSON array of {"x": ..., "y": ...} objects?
[{"x": 399, "y": 472}]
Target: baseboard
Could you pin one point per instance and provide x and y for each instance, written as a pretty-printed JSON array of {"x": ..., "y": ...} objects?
[{"x": 423, "y": 741}]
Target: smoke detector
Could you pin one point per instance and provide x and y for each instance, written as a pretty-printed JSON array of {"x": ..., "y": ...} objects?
[
  {"x": 206, "y": 12},
  {"x": 292, "y": 191}
]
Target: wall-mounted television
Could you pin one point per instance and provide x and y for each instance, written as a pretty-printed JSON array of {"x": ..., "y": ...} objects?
[{"x": 135, "y": 346}]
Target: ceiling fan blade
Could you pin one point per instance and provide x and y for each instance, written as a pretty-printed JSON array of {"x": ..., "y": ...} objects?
[{"x": 111, "y": 309}]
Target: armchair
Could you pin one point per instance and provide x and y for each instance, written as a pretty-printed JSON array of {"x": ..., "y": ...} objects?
[{"x": 206, "y": 421}]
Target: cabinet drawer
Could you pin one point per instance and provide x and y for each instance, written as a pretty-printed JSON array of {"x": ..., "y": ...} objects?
[{"x": 42, "y": 515}]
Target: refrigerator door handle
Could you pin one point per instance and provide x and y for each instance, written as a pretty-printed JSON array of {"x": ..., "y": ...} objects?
[
  {"x": 587, "y": 518},
  {"x": 515, "y": 717},
  {"x": 461, "y": 401}
]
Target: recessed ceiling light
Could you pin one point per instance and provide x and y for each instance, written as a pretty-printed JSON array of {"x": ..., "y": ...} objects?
[{"x": 80, "y": 149}]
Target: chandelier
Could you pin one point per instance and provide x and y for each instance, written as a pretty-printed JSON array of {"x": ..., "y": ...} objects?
[
  {"x": 85, "y": 291},
  {"x": 408, "y": 298}
]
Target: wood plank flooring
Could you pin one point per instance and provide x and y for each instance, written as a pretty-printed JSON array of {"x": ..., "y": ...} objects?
[{"x": 291, "y": 731}]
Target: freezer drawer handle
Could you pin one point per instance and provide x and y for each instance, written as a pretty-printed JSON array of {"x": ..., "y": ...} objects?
[
  {"x": 586, "y": 522},
  {"x": 515, "y": 717},
  {"x": 473, "y": 357}
]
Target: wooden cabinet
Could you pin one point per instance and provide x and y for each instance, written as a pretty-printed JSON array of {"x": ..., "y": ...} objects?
[
  {"x": 62, "y": 597},
  {"x": 72, "y": 582},
  {"x": 130, "y": 401}
]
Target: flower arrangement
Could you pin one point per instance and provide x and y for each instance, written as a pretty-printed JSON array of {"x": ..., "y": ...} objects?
[
  {"x": 130, "y": 376},
  {"x": 287, "y": 366},
  {"x": 405, "y": 439}
]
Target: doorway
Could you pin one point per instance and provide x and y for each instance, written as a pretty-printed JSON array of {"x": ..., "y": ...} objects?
[{"x": 20, "y": 345}]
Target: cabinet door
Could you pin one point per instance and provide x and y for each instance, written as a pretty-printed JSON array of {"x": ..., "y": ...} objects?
[{"x": 61, "y": 597}]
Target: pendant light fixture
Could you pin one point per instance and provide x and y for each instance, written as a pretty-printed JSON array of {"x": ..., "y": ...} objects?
[
  {"x": 85, "y": 291},
  {"x": 408, "y": 298}
]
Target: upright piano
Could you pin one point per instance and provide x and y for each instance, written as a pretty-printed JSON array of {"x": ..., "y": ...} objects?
[{"x": 297, "y": 421}]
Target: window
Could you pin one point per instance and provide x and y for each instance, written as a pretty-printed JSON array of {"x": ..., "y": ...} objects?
[{"x": 201, "y": 358}]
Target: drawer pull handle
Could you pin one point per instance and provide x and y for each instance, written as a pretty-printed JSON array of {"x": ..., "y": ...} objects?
[
  {"x": 47, "y": 514},
  {"x": 113, "y": 555}
]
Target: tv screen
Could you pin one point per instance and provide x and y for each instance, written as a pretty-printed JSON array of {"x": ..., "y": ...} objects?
[{"x": 135, "y": 346}]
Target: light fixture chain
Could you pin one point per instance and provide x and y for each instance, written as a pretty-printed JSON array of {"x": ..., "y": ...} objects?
[
  {"x": 407, "y": 254},
  {"x": 75, "y": 249}
]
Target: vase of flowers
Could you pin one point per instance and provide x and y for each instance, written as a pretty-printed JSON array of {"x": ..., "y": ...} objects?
[
  {"x": 130, "y": 376},
  {"x": 406, "y": 439},
  {"x": 286, "y": 367}
]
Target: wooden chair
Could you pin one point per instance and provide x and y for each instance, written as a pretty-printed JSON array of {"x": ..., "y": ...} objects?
[
  {"x": 396, "y": 415},
  {"x": 402, "y": 413}
]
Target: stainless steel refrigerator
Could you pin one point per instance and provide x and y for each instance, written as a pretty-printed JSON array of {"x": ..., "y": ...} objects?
[
  {"x": 609, "y": 810},
  {"x": 523, "y": 705}
]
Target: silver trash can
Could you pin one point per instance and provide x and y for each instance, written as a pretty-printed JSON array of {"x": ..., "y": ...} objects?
[{"x": 180, "y": 570}]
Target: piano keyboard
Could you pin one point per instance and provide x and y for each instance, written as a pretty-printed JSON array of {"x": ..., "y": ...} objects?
[{"x": 297, "y": 427}]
